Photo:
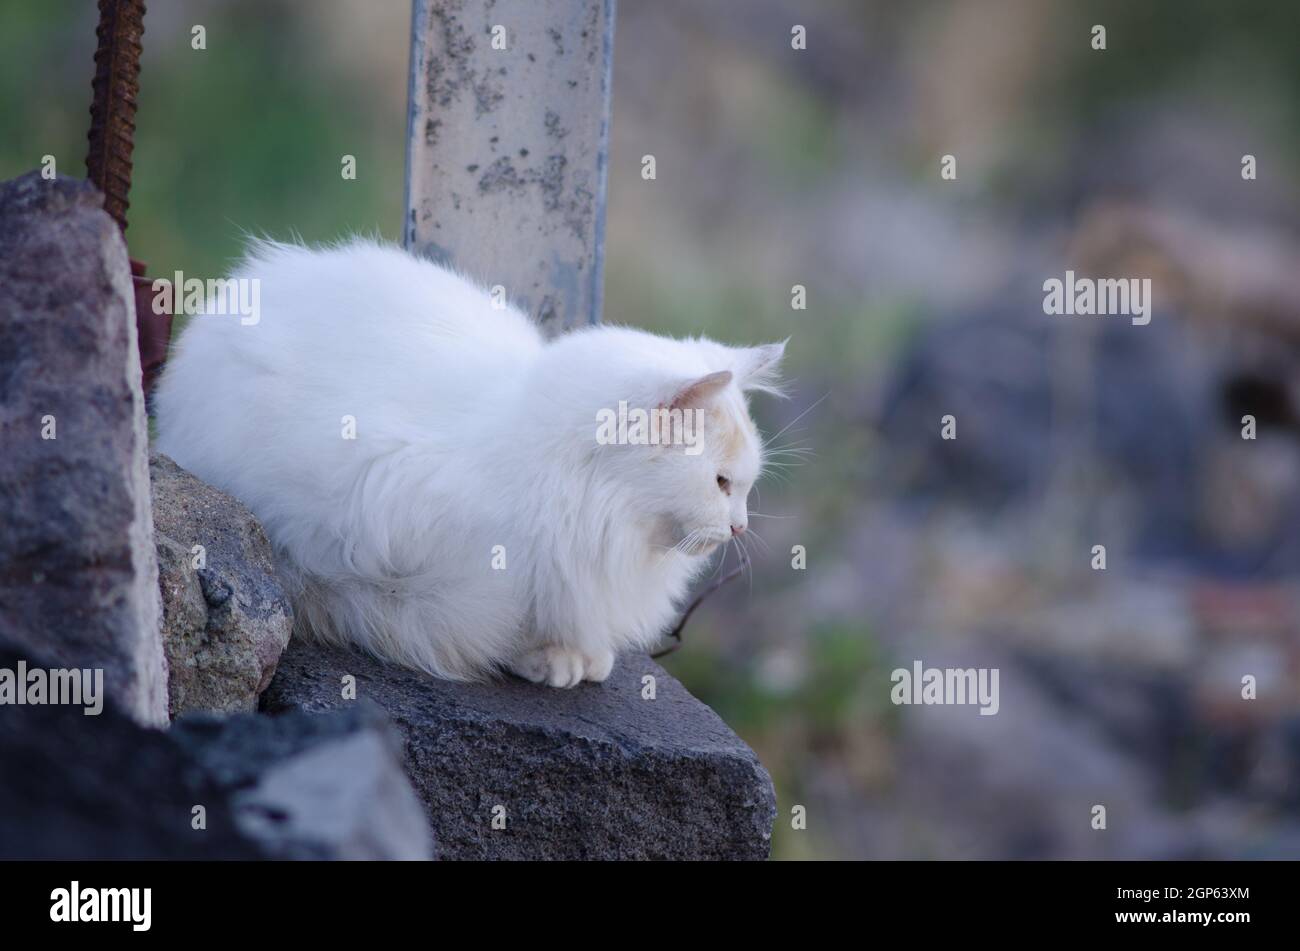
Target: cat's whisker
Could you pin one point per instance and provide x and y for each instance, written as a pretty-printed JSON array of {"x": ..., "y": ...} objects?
[
  {"x": 682, "y": 546},
  {"x": 787, "y": 426},
  {"x": 747, "y": 563},
  {"x": 780, "y": 467},
  {"x": 759, "y": 541},
  {"x": 699, "y": 538},
  {"x": 778, "y": 476},
  {"x": 687, "y": 545},
  {"x": 721, "y": 561},
  {"x": 788, "y": 458},
  {"x": 769, "y": 449},
  {"x": 726, "y": 548}
]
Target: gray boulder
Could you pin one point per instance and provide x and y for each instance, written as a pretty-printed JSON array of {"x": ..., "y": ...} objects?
[
  {"x": 78, "y": 579},
  {"x": 301, "y": 786},
  {"x": 80, "y": 787},
  {"x": 513, "y": 770},
  {"x": 313, "y": 786},
  {"x": 225, "y": 624}
]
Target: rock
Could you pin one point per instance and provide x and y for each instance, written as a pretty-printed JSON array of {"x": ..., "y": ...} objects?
[
  {"x": 299, "y": 786},
  {"x": 308, "y": 785},
  {"x": 224, "y": 625},
  {"x": 78, "y": 578},
  {"x": 996, "y": 369},
  {"x": 595, "y": 772},
  {"x": 68, "y": 792},
  {"x": 1136, "y": 429}
]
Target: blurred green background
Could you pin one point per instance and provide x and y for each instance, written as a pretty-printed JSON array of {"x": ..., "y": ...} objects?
[{"x": 778, "y": 168}]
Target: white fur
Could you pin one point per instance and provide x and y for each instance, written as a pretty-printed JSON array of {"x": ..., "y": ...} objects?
[{"x": 472, "y": 432}]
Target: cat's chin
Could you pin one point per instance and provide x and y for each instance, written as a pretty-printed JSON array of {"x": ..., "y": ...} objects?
[{"x": 706, "y": 547}]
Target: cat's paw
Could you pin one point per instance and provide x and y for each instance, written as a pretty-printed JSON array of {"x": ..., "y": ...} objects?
[
  {"x": 562, "y": 666},
  {"x": 598, "y": 666}
]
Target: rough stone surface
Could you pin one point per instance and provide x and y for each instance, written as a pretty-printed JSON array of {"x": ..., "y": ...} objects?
[
  {"x": 78, "y": 579},
  {"x": 224, "y": 625},
  {"x": 303, "y": 786},
  {"x": 596, "y": 772},
  {"x": 102, "y": 787},
  {"x": 309, "y": 785}
]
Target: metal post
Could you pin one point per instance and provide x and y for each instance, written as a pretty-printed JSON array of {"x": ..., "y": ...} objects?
[{"x": 507, "y": 145}]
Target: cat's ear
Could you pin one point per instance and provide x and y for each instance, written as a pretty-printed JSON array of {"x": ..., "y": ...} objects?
[
  {"x": 700, "y": 392},
  {"x": 758, "y": 368}
]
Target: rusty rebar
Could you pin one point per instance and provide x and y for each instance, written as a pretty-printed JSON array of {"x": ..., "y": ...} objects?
[{"x": 112, "y": 111}]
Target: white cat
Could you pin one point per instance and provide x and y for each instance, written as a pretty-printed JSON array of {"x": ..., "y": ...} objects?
[{"x": 428, "y": 467}]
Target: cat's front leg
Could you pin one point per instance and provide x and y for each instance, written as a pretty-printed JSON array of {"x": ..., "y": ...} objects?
[{"x": 562, "y": 666}]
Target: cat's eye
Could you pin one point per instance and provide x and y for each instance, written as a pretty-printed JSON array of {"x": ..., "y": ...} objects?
[{"x": 724, "y": 484}]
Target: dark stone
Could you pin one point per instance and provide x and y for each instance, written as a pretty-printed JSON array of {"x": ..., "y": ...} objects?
[
  {"x": 309, "y": 785},
  {"x": 224, "y": 625},
  {"x": 301, "y": 786},
  {"x": 595, "y": 772},
  {"x": 1128, "y": 413},
  {"x": 101, "y": 787},
  {"x": 78, "y": 579}
]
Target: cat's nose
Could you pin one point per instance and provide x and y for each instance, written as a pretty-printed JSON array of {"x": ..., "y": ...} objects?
[{"x": 738, "y": 529}]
